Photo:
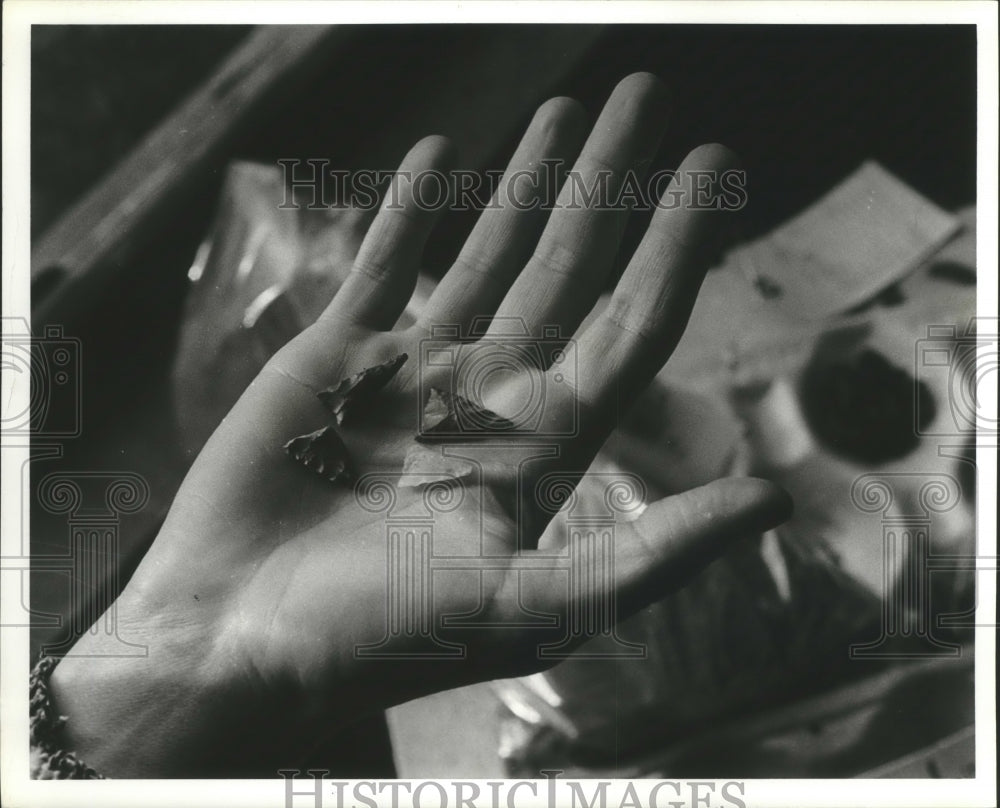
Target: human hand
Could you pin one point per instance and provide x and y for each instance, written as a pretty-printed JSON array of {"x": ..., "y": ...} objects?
[{"x": 266, "y": 579}]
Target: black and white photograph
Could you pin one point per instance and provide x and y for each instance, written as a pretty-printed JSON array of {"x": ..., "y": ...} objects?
[{"x": 481, "y": 405}]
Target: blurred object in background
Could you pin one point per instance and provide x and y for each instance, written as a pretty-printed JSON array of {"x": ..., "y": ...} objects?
[
  {"x": 865, "y": 233},
  {"x": 263, "y": 273}
]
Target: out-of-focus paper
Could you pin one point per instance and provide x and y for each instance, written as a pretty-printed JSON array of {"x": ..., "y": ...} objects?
[{"x": 869, "y": 231}]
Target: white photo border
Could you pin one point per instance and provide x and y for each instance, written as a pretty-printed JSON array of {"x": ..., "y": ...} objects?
[{"x": 19, "y": 15}]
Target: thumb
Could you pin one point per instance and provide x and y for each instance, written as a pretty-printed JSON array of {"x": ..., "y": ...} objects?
[
  {"x": 677, "y": 537},
  {"x": 674, "y": 539}
]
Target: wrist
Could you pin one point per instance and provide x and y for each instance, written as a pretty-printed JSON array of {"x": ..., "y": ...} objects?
[
  {"x": 181, "y": 710},
  {"x": 130, "y": 716}
]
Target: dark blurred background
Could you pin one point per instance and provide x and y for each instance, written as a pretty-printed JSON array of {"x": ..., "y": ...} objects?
[{"x": 802, "y": 105}]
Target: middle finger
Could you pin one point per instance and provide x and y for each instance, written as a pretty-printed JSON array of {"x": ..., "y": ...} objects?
[{"x": 577, "y": 248}]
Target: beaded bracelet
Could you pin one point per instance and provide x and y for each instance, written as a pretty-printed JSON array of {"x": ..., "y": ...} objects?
[{"x": 48, "y": 760}]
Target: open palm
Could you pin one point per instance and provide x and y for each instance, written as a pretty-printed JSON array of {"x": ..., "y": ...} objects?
[{"x": 275, "y": 585}]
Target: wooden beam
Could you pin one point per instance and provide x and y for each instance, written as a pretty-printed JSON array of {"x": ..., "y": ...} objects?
[{"x": 118, "y": 215}]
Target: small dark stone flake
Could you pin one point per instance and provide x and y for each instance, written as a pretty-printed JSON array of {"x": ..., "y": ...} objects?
[
  {"x": 451, "y": 417},
  {"x": 324, "y": 452},
  {"x": 352, "y": 394}
]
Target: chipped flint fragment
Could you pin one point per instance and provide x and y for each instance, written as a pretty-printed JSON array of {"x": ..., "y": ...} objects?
[
  {"x": 351, "y": 394},
  {"x": 423, "y": 465},
  {"x": 324, "y": 452},
  {"x": 436, "y": 409},
  {"x": 451, "y": 417}
]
